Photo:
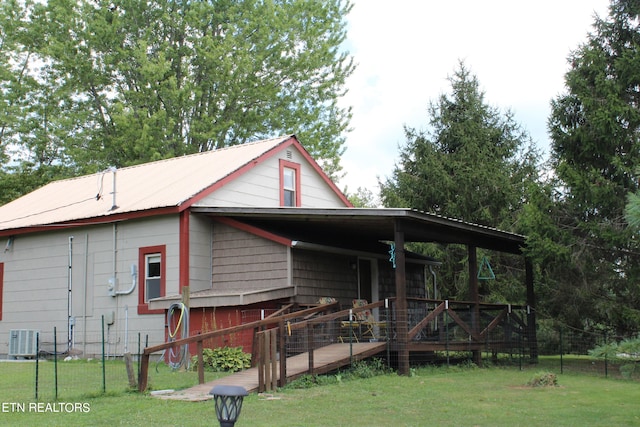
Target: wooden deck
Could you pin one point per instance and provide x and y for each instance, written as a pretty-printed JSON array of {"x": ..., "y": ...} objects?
[{"x": 325, "y": 359}]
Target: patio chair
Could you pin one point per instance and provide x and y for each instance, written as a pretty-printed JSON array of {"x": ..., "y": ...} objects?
[{"x": 365, "y": 321}]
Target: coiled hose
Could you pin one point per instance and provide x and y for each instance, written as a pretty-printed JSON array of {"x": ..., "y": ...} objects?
[{"x": 177, "y": 328}]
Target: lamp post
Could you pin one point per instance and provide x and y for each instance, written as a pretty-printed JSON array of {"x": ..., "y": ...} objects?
[{"x": 228, "y": 400}]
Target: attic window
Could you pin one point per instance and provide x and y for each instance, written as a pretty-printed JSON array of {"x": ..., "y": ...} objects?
[
  {"x": 289, "y": 155},
  {"x": 289, "y": 184}
]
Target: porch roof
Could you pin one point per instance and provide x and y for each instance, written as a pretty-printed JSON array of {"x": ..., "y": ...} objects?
[{"x": 365, "y": 227}]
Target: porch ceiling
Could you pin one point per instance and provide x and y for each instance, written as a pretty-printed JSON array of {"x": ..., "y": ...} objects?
[{"x": 362, "y": 228}]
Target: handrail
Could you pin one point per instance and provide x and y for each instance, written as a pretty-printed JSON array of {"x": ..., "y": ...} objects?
[{"x": 144, "y": 360}]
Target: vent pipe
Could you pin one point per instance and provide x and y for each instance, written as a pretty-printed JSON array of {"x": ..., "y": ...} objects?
[{"x": 113, "y": 172}]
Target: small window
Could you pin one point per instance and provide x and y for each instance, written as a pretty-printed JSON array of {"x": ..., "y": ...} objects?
[
  {"x": 289, "y": 184},
  {"x": 152, "y": 280},
  {"x": 152, "y": 277}
]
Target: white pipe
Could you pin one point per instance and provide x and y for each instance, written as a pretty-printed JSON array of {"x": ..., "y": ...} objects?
[
  {"x": 134, "y": 275},
  {"x": 126, "y": 328},
  {"x": 69, "y": 295},
  {"x": 84, "y": 308},
  {"x": 114, "y": 206}
]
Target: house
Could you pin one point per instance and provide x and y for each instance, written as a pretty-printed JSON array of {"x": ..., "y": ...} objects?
[
  {"x": 106, "y": 244},
  {"x": 235, "y": 233}
]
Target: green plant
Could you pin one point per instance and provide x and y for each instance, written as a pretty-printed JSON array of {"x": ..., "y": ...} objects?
[
  {"x": 625, "y": 352},
  {"x": 223, "y": 359},
  {"x": 368, "y": 368},
  {"x": 543, "y": 379}
]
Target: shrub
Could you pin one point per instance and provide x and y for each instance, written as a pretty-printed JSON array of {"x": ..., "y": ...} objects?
[
  {"x": 359, "y": 369},
  {"x": 543, "y": 379},
  {"x": 223, "y": 359}
]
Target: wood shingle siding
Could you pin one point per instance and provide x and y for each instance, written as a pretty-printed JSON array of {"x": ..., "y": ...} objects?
[
  {"x": 319, "y": 274},
  {"x": 244, "y": 262}
]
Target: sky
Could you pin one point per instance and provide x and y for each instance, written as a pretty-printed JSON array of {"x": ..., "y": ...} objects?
[{"x": 406, "y": 49}]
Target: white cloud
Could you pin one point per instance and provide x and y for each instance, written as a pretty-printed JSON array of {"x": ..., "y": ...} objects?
[{"x": 406, "y": 49}]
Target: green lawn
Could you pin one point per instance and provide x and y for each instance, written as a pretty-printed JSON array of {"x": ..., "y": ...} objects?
[{"x": 431, "y": 396}]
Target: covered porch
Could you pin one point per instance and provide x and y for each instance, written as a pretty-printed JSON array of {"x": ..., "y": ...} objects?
[{"x": 407, "y": 324}]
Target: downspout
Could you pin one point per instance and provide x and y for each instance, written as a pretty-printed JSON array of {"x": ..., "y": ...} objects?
[
  {"x": 84, "y": 305},
  {"x": 69, "y": 296},
  {"x": 435, "y": 282},
  {"x": 113, "y": 281},
  {"x": 435, "y": 295}
]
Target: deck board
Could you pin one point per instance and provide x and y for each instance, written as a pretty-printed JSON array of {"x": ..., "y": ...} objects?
[{"x": 325, "y": 359}]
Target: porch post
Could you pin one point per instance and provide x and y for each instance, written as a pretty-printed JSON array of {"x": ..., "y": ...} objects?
[
  {"x": 402, "y": 326},
  {"x": 531, "y": 312},
  {"x": 475, "y": 298}
]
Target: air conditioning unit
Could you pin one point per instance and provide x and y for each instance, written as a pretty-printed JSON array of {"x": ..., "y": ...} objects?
[{"x": 23, "y": 343}]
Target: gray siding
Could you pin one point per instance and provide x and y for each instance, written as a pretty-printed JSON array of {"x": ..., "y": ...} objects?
[
  {"x": 244, "y": 262},
  {"x": 36, "y": 280},
  {"x": 200, "y": 251}
]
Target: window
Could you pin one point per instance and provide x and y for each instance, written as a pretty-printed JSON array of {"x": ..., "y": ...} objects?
[
  {"x": 289, "y": 183},
  {"x": 289, "y": 186},
  {"x": 152, "y": 267},
  {"x": 152, "y": 277}
]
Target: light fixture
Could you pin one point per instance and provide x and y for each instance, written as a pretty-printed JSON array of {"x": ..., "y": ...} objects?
[{"x": 228, "y": 401}]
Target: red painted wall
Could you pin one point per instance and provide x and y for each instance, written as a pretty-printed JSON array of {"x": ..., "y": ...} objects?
[{"x": 209, "y": 319}]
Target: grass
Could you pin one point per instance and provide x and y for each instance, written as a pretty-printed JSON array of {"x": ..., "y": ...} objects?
[{"x": 431, "y": 396}]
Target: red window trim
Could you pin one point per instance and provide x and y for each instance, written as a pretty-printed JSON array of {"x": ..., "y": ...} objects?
[
  {"x": 143, "y": 307},
  {"x": 1, "y": 286},
  {"x": 296, "y": 167}
]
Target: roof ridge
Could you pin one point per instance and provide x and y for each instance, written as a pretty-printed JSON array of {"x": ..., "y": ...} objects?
[
  {"x": 170, "y": 159},
  {"x": 209, "y": 152}
]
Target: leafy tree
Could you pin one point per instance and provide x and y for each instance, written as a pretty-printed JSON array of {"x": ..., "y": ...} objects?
[
  {"x": 363, "y": 198},
  {"x": 595, "y": 151},
  {"x": 90, "y": 84},
  {"x": 474, "y": 163}
]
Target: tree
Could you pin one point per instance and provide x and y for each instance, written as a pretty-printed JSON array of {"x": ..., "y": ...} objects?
[
  {"x": 91, "y": 84},
  {"x": 362, "y": 198},
  {"x": 595, "y": 152},
  {"x": 475, "y": 163}
]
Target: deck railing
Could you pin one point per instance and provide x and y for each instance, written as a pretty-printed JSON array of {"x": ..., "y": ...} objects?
[
  {"x": 433, "y": 325},
  {"x": 281, "y": 315}
]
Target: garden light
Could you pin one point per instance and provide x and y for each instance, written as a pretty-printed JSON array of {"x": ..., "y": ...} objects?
[{"x": 228, "y": 400}]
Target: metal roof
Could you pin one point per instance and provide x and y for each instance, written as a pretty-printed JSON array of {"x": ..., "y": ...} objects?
[
  {"x": 155, "y": 185},
  {"x": 362, "y": 228}
]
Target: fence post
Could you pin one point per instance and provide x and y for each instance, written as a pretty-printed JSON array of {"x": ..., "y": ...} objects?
[
  {"x": 37, "y": 359},
  {"x": 55, "y": 362},
  {"x": 261, "y": 373},
  {"x": 310, "y": 345},
  {"x": 351, "y": 334},
  {"x": 520, "y": 349},
  {"x": 283, "y": 353},
  {"x": 446, "y": 329},
  {"x": 561, "y": 352},
  {"x": 139, "y": 342},
  {"x": 200, "y": 349},
  {"x": 104, "y": 384},
  {"x": 606, "y": 359},
  {"x": 388, "y": 331}
]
